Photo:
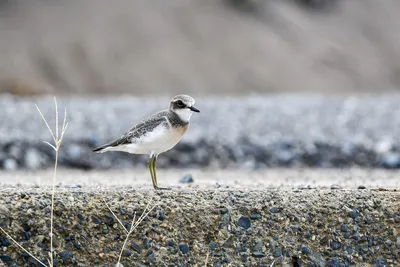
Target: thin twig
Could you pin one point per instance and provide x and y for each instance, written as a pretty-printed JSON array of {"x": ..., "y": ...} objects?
[
  {"x": 56, "y": 147},
  {"x": 126, "y": 230},
  {"x": 133, "y": 225},
  {"x": 48, "y": 127},
  {"x": 21, "y": 247},
  {"x": 55, "y": 103}
]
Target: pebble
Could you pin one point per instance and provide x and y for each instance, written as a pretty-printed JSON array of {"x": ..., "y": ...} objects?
[
  {"x": 66, "y": 256},
  {"x": 381, "y": 262},
  {"x": 255, "y": 216},
  {"x": 352, "y": 214},
  {"x": 305, "y": 250},
  {"x": 188, "y": 178},
  {"x": 184, "y": 248},
  {"x": 6, "y": 260},
  {"x": 258, "y": 254},
  {"x": 317, "y": 259},
  {"x": 398, "y": 242},
  {"x": 4, "y": 242},
  {"x": 335, "y": 245},
  {"x": 126, "y": 253},
  {"x": 336, "y": 186},
  {"x": 212, "y": 246},
  {"x": 389, "y": 213},
  {"x": 274, "y": 210},
  {"x": 333, "y": 263},
  {"x": 160, "y": 214},
  {"x": 136, "y": 247},
  {"x": 95, "y": 219},
  {"x": 244, "y": 222},
  {"x": 361, "y": 187},
  {"x": 344, "y": 228},
  {"x": 277, "y": 252}
]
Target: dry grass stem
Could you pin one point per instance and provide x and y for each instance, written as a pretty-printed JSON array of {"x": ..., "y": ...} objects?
[
  {"x": 21, "y": 247},
  {"x": 133, "y": 227}
]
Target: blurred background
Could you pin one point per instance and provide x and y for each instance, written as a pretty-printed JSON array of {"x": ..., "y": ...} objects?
[
  {"x": 199, "y": 47},
  {"x": 280, "y": 83}
]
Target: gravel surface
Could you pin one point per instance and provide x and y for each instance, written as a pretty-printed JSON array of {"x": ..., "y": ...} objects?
[
  {"x": 240, "y": 228},
  {"x": 250, "y": 132},
  {"x": 285, "y": 179}
]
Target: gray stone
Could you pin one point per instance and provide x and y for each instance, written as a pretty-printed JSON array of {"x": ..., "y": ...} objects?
[{"x": 317, "y": 259}]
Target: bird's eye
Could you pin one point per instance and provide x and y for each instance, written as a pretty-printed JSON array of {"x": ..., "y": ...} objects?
[{"x": 180, "y": 103}]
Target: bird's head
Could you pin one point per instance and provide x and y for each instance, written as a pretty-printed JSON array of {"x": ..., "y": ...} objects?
[{"x": 183, "y": 106}]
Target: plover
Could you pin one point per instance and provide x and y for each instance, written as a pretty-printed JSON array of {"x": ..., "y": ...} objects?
[{"x": 156, "y": 134}]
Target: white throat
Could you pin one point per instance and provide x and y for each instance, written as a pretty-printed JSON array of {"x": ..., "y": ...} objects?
[{"x": 184, "y": 114}]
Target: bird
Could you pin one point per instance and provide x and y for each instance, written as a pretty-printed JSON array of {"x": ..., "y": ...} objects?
[{"x": 156, "y": 134}]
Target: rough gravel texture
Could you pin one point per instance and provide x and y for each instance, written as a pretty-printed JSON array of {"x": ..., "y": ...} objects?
[
  {"x": 250, "y": 132},
  {"x": 241, "y": 227}
]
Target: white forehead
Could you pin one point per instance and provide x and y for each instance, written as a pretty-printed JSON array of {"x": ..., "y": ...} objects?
[{"x": 185, "y": 99}]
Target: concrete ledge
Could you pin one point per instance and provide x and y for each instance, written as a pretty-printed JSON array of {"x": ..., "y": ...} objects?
[{"x": 241, "y": 227}]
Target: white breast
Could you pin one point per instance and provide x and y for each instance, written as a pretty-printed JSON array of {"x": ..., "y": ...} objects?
[{"x": 157, "y": 141}]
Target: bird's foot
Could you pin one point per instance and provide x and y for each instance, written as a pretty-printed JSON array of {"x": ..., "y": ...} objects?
[{"x": 162, "y": 188}]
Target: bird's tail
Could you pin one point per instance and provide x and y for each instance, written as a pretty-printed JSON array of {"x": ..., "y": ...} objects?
[{"x": 100, "y": 149}]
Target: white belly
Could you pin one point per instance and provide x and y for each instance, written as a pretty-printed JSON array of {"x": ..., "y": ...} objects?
[{"x": 157, "y": 141}]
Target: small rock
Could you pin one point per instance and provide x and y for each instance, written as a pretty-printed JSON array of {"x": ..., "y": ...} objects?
[
  {"x": 244, "y": 222},
  {"x": 344, "y": 228},
  {"x": 317, "y": 259},
  {"x": 381, "y": 262},
  {"x": 4, "y": 242},
  {"x": 6, "y": 260},
  {"x": 243, "y": 256},
  {"x": 335, "y": 186},
  {"x": 136, "y": 247},
  {"x": 274, "y": 210},
  {"x": 95, "y": 219},
  {"x": 66, "y": 256},
  {"x": 361, "y": 187},
  {"x": 277, "y": 253},
  {"x": 389, "y": 213},
  {"x": 126, "y": 253},
  {"x": 146, "y": 244},
  {"x": 398, "y": 242},
  {"x": 397, "y": 219},
  {"x": 305, "y": 250},
  {"x": 258, "y": 254},
  {"x": 160, "y": 214},
  {"x": 188, "y": 178},
  {"x": 335, "y": 245},
  {"x": 223, "y": 211},
  {"x": 333, "y": 263},
  {"x": 149, "y": 253},
  {"x": 352, "y": 214},
  {"x": 184, "y": 248},
  {"x": 212, "y": 246},
  {"x": 255, "y": 216}
]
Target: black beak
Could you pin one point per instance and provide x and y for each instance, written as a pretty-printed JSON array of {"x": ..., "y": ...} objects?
[{"x": 194, "y": 109}]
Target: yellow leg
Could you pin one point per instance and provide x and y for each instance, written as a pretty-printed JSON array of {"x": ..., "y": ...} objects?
[
  {"x": 154, "y": 176},
  {"x": 152, "y": 172}
]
